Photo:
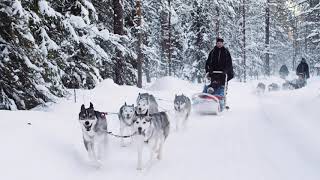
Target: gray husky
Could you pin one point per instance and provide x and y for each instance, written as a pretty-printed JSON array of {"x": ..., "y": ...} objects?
[
  {"x": 94, "y": 129},
  {"x": 182, "y": 108},
  {"x": 273, "y": 87},
  {"x": 261, "y": 87},
  {"x": 151, "y": 130},
  {"x": 126, "y": 114},
  {"x": 146, "y": 102}
]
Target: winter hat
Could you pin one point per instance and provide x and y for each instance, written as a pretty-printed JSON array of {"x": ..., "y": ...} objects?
[
  {"x": 303, "y": 60},
  {"x": 219, "y": 39}
]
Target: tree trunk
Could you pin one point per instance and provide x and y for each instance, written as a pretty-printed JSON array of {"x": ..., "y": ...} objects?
[
  {"x": 169, "y": 40},
  {"x": 244, "y": 41},
  {"x": 295, "y": 34},
  {"x": 165, "y": 36},
  {"x": 139, "y": 49},
  {"x": 199, "y": 40},
  {"x": 267, "y": 40},
  {"x": 218, "y": 20},
  {"x": 118, "y": 29}
]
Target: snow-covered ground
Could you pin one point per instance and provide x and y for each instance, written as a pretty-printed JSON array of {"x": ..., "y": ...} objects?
[{"x": 271, "y": 137}]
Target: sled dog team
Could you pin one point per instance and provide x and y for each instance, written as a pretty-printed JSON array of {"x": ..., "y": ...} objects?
[{"x": 145, "y": 125}]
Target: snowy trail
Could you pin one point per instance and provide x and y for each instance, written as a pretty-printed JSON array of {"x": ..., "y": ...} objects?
[{"x": 259, "y": 138}]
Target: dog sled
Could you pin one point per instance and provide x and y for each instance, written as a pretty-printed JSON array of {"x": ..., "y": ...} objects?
[
  {"x": 209, "y": 103},
  {"x": 298, "y": 83}
]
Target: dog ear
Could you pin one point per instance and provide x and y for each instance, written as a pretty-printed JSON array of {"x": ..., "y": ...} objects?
[
  {"x": 135, "y": 113},
  {"x": 91, "y": 106},
  {"x": 149, "y": 119},
  {"x": 147, "y": 113},
  {"x": 83, "y": 108}
]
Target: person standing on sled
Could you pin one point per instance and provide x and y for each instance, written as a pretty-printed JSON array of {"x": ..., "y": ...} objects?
[
  {"x": 303, "y": 72},
  {"x": 219, "y": 60}
]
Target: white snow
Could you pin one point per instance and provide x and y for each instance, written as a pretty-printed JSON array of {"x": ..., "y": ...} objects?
[
  {"x": 47, "y": 43},
  {"x": 70, "y": 28},
  {"x": 271, "y": 137},
  {"x": 31, "y": 65},
  {"x": 45, "y": 9},
  {"x": 17, "y": 8},
  {"x": 77, "y": 22}
]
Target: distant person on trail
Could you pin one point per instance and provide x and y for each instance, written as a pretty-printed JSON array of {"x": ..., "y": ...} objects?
[
  {"x": 284, "y": 72},
  {"x": 219, "y": 60},
  {"x": 303, "y": 69}
]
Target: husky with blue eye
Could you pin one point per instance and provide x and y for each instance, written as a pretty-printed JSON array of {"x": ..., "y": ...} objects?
[
  {"x": 151, "y": 130},
  {"x": 94, "y": 128},
  {"x": 126, "y": 114}
]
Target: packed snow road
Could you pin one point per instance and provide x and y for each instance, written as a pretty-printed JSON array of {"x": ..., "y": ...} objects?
[{"x": 274, "y": 136}]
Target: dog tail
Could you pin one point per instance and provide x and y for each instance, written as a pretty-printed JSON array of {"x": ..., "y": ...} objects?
[{"x": 166, "y": 124}]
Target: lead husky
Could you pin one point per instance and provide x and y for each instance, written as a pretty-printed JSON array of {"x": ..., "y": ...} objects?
[
  {"x": 151, "y": 130},
  {"x": 94, "y": 129},
  {"x": 182, "y": 109},
  {"x": 126, "y": 114},
  {"x": 146, "y": 102}
]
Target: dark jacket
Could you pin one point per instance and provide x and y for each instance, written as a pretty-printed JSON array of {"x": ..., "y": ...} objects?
[
  {"x": 303, "y": 68},
  {"x": 219, "y": 60}
]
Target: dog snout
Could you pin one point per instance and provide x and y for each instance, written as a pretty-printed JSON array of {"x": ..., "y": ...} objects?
[
  {"x": 139, "y": 108},
  {"x": 139, "y": 130},
  {"x": 86, "y": 123}
]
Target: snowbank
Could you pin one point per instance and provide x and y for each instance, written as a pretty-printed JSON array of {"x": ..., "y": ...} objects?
[{"x": 261, "y": 137}]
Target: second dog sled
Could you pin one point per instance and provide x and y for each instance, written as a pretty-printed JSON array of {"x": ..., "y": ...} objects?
[{"x": 210, "y": 103}]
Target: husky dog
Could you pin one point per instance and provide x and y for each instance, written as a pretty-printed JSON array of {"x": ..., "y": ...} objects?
[
  {"x": 152, "y": 130},
  {"x": 273, "y": 87},
  {"x": 126, "y": 120},
  {"x": 182, "y": 108},
  {"x": 146, "y": 102},
  {"x": 94, "y": 129},
  {"x": 261, "y": 87},
  {"x": 288, "y": 85}
]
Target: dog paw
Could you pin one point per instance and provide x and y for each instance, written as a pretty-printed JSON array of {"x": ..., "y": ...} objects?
[{"x": 96, "y": 164}]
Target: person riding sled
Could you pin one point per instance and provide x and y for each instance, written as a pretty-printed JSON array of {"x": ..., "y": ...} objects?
[
  {"x": 303, "y": 72},
  {"x": 219, "y": 60}
]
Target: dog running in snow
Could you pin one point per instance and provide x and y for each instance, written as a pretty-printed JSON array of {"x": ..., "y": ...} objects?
[
  {"x": 94, "y": 128},
  {"x": 182, "y": 109},
  {"x": 146, "y": 102},
  {"x": 125, "y": 115},
  {"x": 151, "y": 130}
]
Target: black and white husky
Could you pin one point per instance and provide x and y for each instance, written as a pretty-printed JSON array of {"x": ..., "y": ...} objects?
[
  {"x": 151, "y": 130},
  {"x": 94, "y": 129},
  {"x": 182, "y": 109},
  {"x": 146, "y": 102},
  {"x": 126, "y": 114}
]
